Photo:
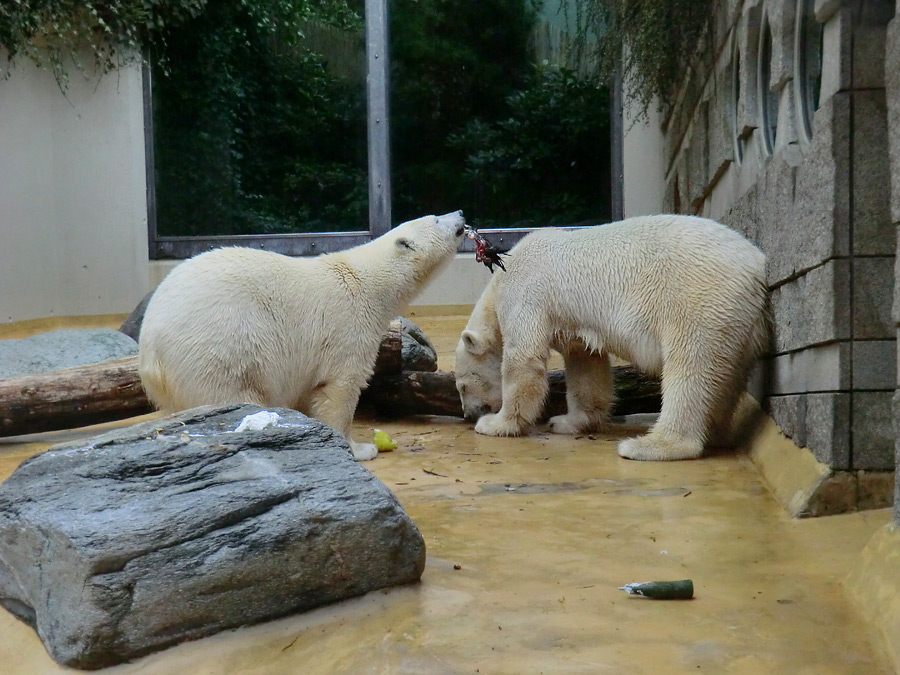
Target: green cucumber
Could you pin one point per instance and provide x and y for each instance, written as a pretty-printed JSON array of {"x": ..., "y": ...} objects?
[{"x": 662, "y": 590}]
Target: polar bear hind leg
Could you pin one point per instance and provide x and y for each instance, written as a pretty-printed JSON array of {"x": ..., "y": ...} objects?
[
  {"x": 589, "y": 390},
  {"x": 700, "y": 387}
]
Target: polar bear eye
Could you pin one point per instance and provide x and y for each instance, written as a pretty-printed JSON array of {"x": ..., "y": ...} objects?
[{"x": 405, "y": 243}]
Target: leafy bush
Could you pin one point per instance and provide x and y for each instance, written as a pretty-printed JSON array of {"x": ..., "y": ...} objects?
[{"x": 547, "y": 161}]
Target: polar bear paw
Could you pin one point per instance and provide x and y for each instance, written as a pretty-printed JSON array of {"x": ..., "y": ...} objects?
[
  {"x": 573, "y": 423},
  {"x": 497, "y": 425},
  {"x": 363, "y": 452},
  {"x": 656, "y": 449}
]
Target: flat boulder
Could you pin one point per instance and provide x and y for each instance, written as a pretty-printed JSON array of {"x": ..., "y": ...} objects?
[
  {"x": 62, "y": 348},
  {"x": 175, "y": 529}
]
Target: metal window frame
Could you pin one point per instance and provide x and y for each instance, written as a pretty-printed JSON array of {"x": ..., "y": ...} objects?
[{"x": 379, "y": 163}]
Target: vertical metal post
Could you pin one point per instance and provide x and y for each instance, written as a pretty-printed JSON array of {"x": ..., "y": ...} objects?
[
  {"x": 617, "y": 141},
  {"x": 377, "y": 76}
]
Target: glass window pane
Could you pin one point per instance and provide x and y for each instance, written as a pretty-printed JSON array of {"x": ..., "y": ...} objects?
[
  {"x": 490, "y": 114},
  {"x": 259, "y": 121}
]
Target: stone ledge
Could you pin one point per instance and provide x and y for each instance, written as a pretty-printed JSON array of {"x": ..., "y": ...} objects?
[
  {"x": 803, "y": 485},
  {"x": 874, "y": 587}
]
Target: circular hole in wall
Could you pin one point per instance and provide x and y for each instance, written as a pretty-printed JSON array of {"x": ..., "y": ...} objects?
[
  {"x": 807, "y": 65},
  {"x": 736, "y": 103},
  {"x": 768, "y": 99}
]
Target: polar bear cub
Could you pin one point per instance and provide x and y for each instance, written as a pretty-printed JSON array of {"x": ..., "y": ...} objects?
[
  {"x": 677, "y": 296},
  {"x": 239, "y": 324}
]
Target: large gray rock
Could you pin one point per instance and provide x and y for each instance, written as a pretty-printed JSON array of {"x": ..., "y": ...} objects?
[
  {"x": 416, "y": 350},
  {"x": 62, "y": 349},
  {"x": 178, "y": 528},
  {"x": 132, "y": 324}
]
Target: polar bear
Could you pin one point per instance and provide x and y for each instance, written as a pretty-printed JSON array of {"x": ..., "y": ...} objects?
[
  {"x": 677, "y": 296},
  {"x": 239, "y": 324}
]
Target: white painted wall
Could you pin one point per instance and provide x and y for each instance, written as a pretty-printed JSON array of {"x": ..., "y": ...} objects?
[
  {"x": 73, "y": 214},
  {"x": 643, "y": 155}
]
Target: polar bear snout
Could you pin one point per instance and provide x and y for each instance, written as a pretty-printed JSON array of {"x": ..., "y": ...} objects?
[
  {"x": 453, "y": 222},
  {"x": 474, "y": 413}
]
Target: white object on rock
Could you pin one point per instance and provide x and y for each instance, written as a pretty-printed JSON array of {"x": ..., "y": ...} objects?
[{"x": 258, "y": 421}]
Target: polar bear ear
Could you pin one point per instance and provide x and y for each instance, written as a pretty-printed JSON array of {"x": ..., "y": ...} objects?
[{"x": 473, "y": 342}]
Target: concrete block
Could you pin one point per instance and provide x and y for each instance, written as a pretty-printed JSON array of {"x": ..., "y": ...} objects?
[
  {"x": 869, "y": 43},
  {"x": 720, "y": 139},
  {"x": 836, "y": 54},
  {"x": 813, "y": 309},
  {"x": 698, "y": 156},
  {"x": 789, "y": 412},
  {"x": 822, "y": 199},
  {"x": 892, "y": 88},
  {"x": 873, "y": 295},
  {"x": 818, "y": 369},
  {"x": 781, "y": 19},
  {"x": 874, "y": 489},
  {"x": 873, "y": 435},
  {"x": 828, "y": 428},
  {"x": 748, "y": 37},
  {"x": 873, "y": 231},
  {"x": 743, "y": 216},
  {"x": 875, "y": 364}
]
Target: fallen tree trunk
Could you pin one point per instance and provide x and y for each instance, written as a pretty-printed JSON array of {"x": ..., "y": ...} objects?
[
  {"x": 111, "y": 390},
  {"x": 415, "y": 393},
  {"x": 72, "y": 397}
]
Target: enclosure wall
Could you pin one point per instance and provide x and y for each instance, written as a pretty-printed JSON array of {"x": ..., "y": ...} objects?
[{"x": 73, "y": 213}]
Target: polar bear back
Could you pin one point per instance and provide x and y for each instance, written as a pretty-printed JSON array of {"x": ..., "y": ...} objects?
[{"x": 610, "y": 284}]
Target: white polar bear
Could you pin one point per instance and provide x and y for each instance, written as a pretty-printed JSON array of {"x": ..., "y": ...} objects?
[
  {"x": 238, "y": 324},
  {"x": 677, "y": 296}
]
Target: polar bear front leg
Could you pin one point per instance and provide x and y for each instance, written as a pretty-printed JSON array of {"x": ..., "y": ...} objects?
[
  {"x": 524, "y": 390},
  {"x": 335, "y": 403},
  {"x": 589, "y": 390}
]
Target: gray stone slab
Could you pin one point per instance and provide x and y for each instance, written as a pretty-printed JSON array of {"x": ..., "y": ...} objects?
[
  {"x": 895, "y": 409},
  {"x": 818, "y": 369},
  {"x": 813, "y": 309},
  {"x": 873, "y": 437},
  {"x": 873, "y": 296},
  {"x": 873, "y": 231},
  {"x": 178, "y": 528},
  {"x": 698, "y": 156},
  {"x": 62, "y": 349},
  {"x": 875, "y": 364},
  {"x": 892, "y": 88},
  {"x": 789, "y": 413},
  {"x": 828, "y": 428},
  {"x": 820, "y": 223}
]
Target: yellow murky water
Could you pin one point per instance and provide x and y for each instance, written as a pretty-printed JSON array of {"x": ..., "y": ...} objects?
[{"x": 528, "y": 541}]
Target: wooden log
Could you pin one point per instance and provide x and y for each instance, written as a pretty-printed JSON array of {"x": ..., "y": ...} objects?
[
  {"x": 415, "y": 393},
  {"x": 72, "y": 397},
  {"x": 111, "y": 390}
]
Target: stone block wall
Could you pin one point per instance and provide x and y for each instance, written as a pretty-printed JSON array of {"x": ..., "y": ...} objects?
[{"x": 817, "y": 199}]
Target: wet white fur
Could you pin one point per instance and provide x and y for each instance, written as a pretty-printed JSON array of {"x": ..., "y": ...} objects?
[
  {"x": 238, "y": 324},
  {"x": 677, "y": 296}
]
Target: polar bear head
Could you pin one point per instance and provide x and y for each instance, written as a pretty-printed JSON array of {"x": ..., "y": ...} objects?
[
  {"x": 479, "y": 357},
  {"x": 415, "y": 249}
]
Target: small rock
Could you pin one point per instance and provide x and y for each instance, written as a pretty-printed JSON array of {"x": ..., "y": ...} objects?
[
  {"x": 62, "y": 349},
  {"x": 132, "y": 325}
]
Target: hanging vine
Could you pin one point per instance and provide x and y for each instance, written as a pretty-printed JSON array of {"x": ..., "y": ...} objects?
[
  {"x": 60, "y": 34},
  {"x": 654, "y": 42}
]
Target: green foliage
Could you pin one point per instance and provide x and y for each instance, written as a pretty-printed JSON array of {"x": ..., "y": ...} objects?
[
  {"x": 253, "y": 134},
  {"x": 52, "y": 32},
  {"x": 451, "y": 61},
  {"x": 547, "y": 161},
  {"x": 655, "y": 42}
]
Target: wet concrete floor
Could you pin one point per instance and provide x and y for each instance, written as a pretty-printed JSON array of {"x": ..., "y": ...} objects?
[{"x": 528, "y": 541}]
